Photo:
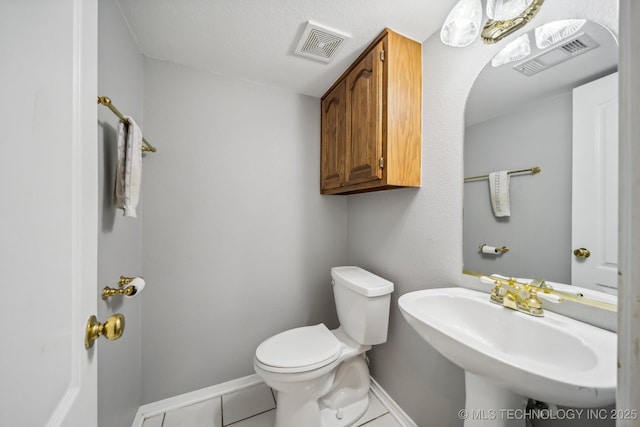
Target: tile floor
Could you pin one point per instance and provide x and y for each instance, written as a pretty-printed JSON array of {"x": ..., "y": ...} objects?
[{"x": 251, "y": 407}]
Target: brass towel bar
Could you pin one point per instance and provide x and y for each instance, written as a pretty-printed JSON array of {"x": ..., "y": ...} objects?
[
  {"x": 106, "y": 101},
  {"x": 535, "y": 169}
]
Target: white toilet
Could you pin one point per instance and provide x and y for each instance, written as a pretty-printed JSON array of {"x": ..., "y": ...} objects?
[{"x": 321, "y": 376}]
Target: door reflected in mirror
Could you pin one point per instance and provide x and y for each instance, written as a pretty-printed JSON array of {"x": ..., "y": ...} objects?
[{"x": 526, "y": 112}]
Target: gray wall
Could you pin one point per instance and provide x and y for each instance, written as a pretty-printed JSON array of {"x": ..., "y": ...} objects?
[
  {"x": 238, "y": 242},
  {"x": 119, "y": 238},
  {"x": 414, "y": 237},
  {"x": 538, "y": 232}
]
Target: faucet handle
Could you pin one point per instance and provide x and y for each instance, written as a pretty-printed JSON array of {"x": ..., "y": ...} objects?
[
  {"x": 550, "y": 297},
  {"x": 532, "y": 305},
  {"x": 493, "y": 280},
  {"x": 497, "y": 293},
  {"x": 533, "y": 301},
  {"x": 540, "y": 283},
  {"x": 488, "y": 280}
]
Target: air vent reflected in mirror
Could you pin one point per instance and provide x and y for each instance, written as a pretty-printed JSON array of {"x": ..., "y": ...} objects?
[{"x": 582, "y": 43}]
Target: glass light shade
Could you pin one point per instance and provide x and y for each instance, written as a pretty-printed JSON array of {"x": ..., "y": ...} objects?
[
  {"x": 462, "y": 25},
  {"x": 502, "y": 10},
  {"x": 553, "y": 32},
  {"x": 514, "y": 51}
]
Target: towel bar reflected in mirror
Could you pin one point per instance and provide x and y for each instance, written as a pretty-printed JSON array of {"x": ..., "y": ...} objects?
[{"x": 535, "y": 169}]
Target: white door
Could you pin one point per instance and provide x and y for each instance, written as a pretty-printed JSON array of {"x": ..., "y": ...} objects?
[
  {"x": 48, "y": 215},
  {"x": 595, "y": 184}
]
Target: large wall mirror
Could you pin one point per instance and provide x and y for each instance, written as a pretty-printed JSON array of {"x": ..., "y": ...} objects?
[{"x": 535, "y": 105}]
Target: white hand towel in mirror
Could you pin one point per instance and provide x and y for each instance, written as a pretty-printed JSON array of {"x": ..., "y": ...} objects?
[{"x": 499, "y": 191}]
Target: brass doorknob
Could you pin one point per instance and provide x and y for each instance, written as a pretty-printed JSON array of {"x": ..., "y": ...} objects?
[
  {"x": 582, "y": 253},
  {"x": 112, "y": 329}
]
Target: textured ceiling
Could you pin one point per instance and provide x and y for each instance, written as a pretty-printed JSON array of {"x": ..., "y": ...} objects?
[{"x": 254, "y": 39}]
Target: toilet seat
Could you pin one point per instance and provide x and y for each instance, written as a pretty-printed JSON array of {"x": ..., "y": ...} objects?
[{"x": 299, "y": 350}]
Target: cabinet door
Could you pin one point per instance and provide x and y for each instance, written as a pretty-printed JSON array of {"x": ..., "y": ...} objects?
[
  {"x": 334, "y": 133},
  {"x": 364, "y": 121}
]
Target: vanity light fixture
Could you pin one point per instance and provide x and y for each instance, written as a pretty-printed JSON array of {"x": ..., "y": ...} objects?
[
  {"x": 514, "y": 51},
  {"x": 503, "y": 10},
  {"x": 553, "y": 32},
  {"x": 504, "y": 17},
  {"x": 545, "y": 36},
  {"x": 462, "y": 25}
]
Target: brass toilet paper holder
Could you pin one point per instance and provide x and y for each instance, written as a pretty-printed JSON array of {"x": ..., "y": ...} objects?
[{"x": 136, "y": 285}]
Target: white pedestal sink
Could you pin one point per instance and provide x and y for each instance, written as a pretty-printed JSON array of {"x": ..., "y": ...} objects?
[{"x": 510, "y": 356}]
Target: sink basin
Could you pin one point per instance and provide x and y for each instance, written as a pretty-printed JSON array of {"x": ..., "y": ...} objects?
[{"x": 510, "y": 356}]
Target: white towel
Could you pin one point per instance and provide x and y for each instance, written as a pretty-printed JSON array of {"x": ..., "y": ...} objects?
[
  {"x": 499, "y": 190},
  {"x": 129, "y": 168}
]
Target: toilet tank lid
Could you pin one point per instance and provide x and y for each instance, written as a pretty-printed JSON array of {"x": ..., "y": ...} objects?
[{"x": 361, "y": 281}]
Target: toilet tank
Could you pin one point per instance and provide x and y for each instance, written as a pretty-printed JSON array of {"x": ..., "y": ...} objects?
[{"x": 362, "y": 302}]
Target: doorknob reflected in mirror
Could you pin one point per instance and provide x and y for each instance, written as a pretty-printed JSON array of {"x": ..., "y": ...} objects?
[
  {"x": 112, "y": 329},
  {"x": 582, "y": 253}
]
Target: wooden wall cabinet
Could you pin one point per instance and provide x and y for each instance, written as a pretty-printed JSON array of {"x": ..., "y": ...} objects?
[{"x": 371, "y": 120}]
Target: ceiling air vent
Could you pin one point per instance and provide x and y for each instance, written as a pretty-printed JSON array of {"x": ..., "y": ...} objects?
[
  {"x": 575, "y": 47},
  {"x": 548, "y": 58},
  {"x": 531, "y": 67},
  {"x": 320, "y": 43}
]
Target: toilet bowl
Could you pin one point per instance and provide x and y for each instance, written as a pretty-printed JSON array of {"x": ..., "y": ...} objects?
[{"x": 321, "y": 376}]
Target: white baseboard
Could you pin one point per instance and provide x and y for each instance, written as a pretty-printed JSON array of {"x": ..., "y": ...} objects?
[
  {"x": 186, "y": 399},
  {"x": 394, "y": 409}
]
